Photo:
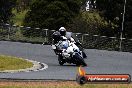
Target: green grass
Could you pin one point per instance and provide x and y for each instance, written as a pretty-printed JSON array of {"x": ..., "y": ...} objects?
[
  {"x": 13, "y": 63},
  {"x": 19, "y": 17}
]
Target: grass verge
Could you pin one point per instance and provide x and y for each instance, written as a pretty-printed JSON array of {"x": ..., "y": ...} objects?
[
  {"x": 59, "y": 85},
  {"x": 13, "y": 63}
]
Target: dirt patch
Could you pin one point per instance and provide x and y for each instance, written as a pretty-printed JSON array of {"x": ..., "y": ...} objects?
[
  {"x": 59, "y": 84},
  {"x": 36, "y": 84}
]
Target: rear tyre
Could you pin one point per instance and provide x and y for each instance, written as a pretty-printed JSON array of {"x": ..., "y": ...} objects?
[{"x": 60, "y": 59}]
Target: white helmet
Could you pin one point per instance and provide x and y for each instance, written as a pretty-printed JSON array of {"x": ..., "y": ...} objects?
[
  {"x": 62, "y": 28},
  {"x": 62, "y": 31}
]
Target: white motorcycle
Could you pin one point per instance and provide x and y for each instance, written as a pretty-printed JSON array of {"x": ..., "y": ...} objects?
[{"x": 68, "y": 52}]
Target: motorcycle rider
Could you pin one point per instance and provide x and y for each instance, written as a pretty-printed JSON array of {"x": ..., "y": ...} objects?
[
  {"x": 64, "y": 33},
  {"x": 63, "y": 36},
  {"x": 59, "y": 35},
  {"x": 56, "y": 37}
]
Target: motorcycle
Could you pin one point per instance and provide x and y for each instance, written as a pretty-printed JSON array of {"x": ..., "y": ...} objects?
[{"x": 68, "y": 52}]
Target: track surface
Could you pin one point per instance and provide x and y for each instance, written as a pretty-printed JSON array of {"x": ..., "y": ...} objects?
[{"x": 99, "y": 61}]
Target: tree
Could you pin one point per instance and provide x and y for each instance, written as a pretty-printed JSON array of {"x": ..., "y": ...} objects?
[
  {"x": 110, "y": 8},
  {"x": 88, "y": 22},
  {"x": 6, "y": 10},
  {"x": 23, "y": 4},
  {"x": 128, "y": 20},
  {"x": 52, "y": 14},
  {"x": 112, "y": 11}
]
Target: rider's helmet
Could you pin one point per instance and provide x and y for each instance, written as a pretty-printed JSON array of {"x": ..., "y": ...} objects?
[
  {"x": 56, "y": 36},
  {"x": 62, "y": 31}
]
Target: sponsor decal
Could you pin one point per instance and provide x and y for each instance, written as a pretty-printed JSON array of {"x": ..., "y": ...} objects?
[{"x": 83, "y": 78}]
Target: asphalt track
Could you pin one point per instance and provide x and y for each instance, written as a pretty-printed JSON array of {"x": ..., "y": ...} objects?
[{"x": 99, "y": 62}]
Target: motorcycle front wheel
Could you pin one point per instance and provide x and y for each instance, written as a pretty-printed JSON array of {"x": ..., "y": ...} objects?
[
  {"x": 60, "y": 59},
  {"x": 80, "y": 60}
]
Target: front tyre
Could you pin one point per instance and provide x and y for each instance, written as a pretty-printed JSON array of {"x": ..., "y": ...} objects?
[
  {"x": 60, "y": 59},
  {"x": 83, "y": 62},
  {"x": 80, "y": 60}
]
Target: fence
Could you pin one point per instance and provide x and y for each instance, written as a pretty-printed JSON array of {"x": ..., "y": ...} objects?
[{"x": 13, "y": 33}]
